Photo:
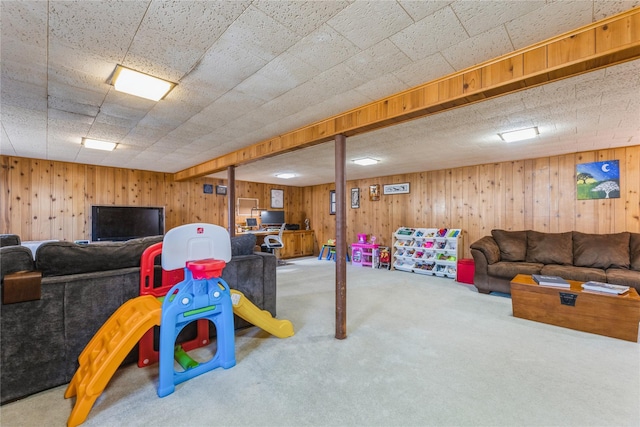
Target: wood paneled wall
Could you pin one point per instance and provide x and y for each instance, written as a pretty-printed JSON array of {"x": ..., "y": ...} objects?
[
  {"x": 537, "y": 194},
  {"x": 44, "y": 199},
  {"x": 52, "y": 200}
]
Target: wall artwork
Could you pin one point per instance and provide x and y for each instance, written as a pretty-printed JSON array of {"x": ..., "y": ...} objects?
[
  {"x": 598, "y": 180},
  {"x": 355, "y": 198},
  {"x": 374, "y": 192},
  {"x": 396, "y": 188}
]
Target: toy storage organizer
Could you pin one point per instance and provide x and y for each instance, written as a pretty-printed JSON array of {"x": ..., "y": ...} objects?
[{"x": 427, "y": 250}]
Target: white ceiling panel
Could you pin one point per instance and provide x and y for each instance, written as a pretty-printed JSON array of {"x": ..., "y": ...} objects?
[
  {"x": 365, "y": 23},
  {"x": 431, "y": 34},
  {"x": 254, "y": 69}
]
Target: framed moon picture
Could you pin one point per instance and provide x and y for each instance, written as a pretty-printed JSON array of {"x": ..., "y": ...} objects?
[{"x": 598, "y": 180}]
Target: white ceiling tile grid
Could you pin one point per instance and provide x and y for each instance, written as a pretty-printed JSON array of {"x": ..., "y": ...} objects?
[{"x": 251, "y": 70}]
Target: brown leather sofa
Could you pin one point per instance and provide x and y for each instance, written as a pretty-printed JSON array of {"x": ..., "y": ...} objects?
[{"x": 611, "y": 258}]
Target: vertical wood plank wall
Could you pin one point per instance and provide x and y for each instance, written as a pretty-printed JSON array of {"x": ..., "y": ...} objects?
[
  {"x": 44, "y": 199},
  {"x": 538, "y": 194}
]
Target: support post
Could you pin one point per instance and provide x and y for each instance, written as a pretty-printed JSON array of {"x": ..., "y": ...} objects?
[
  {"x": 341, "y": 243},
  {"x": 231, "y": 197}
]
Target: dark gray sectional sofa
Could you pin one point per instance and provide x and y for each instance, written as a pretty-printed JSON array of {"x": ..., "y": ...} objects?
[
  {"x": 81, "y": 286},
  {"x": 611, "y": 258}
]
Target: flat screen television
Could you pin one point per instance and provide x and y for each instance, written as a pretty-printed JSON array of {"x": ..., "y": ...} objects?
[
  {"x": 118, "y": 223},
  {"x": 272, "y": 217}
]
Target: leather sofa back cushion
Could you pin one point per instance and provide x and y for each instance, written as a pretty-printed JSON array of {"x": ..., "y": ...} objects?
[
  {"x": 550, "y": 248},
  {"x": 601, "y": 250},
  {"x": 634, "y": 251},
  {"x": 512, "y": 244},
  {"x": 62, "y": 258}
]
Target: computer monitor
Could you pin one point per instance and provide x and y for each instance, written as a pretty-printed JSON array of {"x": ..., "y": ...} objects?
[
  {"x": 252, "y": 222},
  {"x": 272, "y": 217}
]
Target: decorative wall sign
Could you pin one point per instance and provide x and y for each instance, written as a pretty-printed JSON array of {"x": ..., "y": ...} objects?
[
  {"x": 598, "y": 180},
  {"x": 396, "y": 188},
  {"x": 207, "y": 189},
  {"x": 277, "y": 198},
  {"x": 355, "y": 198},
  {"x": 374, "y": 192},
  {"x": 332, "y": 202},
  {"x": 221, "y": 189}
]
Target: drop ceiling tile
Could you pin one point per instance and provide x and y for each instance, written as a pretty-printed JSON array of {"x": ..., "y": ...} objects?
[
  {"x": 551, "y": 20},
  {"x": 301, "y": 17},
  {"x": 378, "y": 60},
  {"x": 6, "y": 147},
  {"x": 260, "y": 35},
  {"x": 432, "y": 34},
  {"x": 103, "y": 28},
  {"x": 483, "y": 47},
  {"x": 323, "y": 48},
  {"x": 424, "y": 70},
  {"x": 277, "y": 77},
  {"x": 224, "y": 66},
  {"x": 170, "y": 39},
  {"x": 605, "y": 8},
  {"x": 382, "y": 87},
  {"x": 419, "y": 9},
  {"x": 366, "y": 23},
  {"x": 478, "y": 17},
  {"x": 23, "y": 94}
]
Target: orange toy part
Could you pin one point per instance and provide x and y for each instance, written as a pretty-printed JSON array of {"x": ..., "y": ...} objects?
[
  {"x": 107, "y": 349},
  {"x": 147, "y": 355}
]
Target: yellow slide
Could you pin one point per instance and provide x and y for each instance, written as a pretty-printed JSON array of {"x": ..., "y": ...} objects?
[
  {"x": 245, "y": 309},
  {"x": 107, "y": 349}
]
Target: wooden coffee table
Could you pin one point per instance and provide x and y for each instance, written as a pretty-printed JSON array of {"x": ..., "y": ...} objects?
[{"x": 616, "y": 316}]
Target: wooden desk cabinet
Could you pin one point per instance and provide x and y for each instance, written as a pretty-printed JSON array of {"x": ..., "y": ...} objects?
[{"x": 297, "y": 243}]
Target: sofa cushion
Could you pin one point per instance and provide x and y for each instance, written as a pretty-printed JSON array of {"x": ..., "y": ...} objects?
[
  {"x": 549, "y": 248},
  {"x": 243, "y": 244},
  {"x": 621, "y": 276},
  {"x": 601, "y": 250},
  {"x": 63, "y": 258},
  {"x": 512, "y": 244},
  {"x": 14, "y": 259},
  {"x": 569, "y": 272},
  {"x": 487, "y": 245},
  {"x": 510, "y": 269},
  {"x": 9, "y": 240},
  {"x": 634, "y": 251}
]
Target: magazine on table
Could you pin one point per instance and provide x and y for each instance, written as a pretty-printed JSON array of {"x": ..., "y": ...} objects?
[
  {"x": 605, "y": 287},
  {"x": 555, "y": 281}
]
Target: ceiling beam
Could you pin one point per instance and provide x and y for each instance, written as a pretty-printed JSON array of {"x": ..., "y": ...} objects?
[{"x": 607, "y": 42}]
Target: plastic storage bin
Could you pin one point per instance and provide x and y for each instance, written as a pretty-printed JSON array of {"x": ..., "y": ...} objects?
[{"x": 466, "y": 270}]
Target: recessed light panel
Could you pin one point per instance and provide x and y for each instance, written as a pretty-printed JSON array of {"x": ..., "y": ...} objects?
[
  {"x": 366, "y": 161},
  {"x": 98, "y": 145},
  {"x": 285, "y": 175},
  {"x": 519, "y": 135},
  {"x": 139, "y": 84}
]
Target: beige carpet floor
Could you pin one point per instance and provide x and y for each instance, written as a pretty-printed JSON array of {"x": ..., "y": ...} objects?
[{"x": 421, "y": 351}]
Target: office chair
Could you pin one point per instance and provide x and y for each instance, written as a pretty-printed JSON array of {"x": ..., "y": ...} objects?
[{"x": 274, "y": 244}]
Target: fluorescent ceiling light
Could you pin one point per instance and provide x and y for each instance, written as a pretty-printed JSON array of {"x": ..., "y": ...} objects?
[
  {"x": 285, "y": 175},
  {"x": 366, "y": 161},
  {"x": 519, "y": 135},
  {"x": 139, "y": 84},
  {"x": 98, "y": 145}
]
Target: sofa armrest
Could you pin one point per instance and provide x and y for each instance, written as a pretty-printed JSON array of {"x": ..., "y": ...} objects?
[{"x": 489, "y": 248}]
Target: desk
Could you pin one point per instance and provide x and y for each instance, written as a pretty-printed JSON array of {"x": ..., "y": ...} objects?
[{"x": 296, "y": 243}]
